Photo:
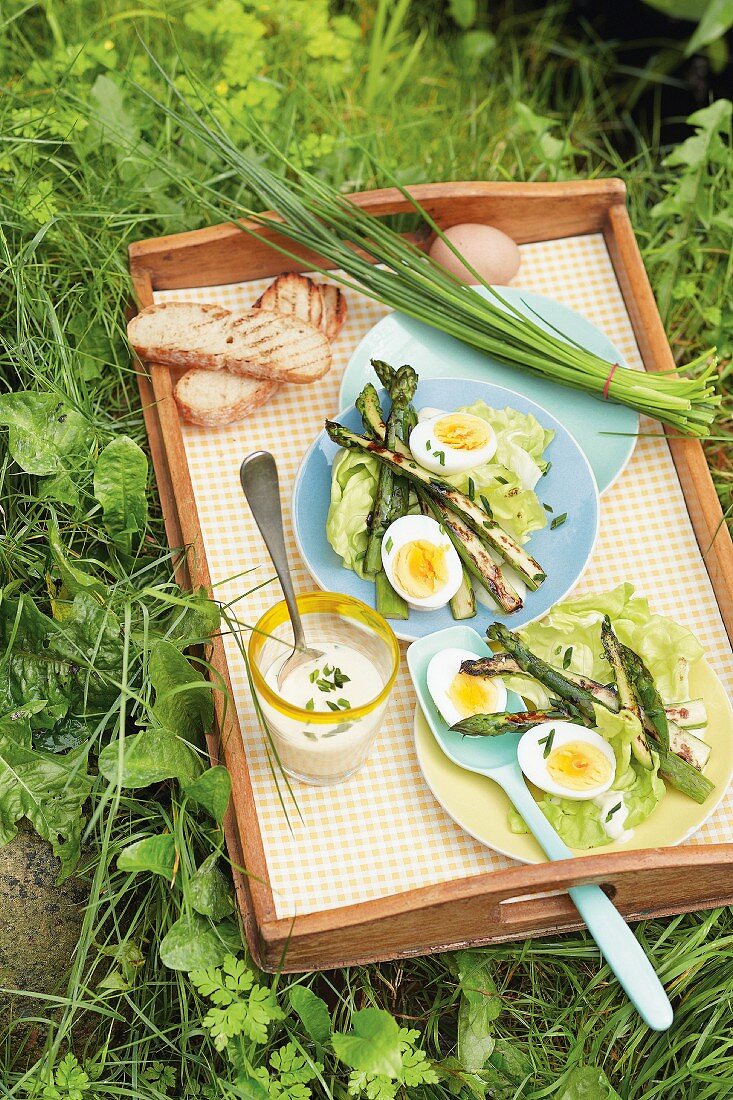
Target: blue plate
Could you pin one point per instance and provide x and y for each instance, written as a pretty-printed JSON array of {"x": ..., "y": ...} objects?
[
  {"x": 568, "y": 487},
  {"x": 400, "y": 339}
]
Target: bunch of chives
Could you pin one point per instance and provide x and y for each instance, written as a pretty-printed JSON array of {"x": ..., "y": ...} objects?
[{"x": 391, "y": 269}]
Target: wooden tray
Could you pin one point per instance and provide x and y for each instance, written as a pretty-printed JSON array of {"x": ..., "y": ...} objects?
[{"x": 522, "y": 901}]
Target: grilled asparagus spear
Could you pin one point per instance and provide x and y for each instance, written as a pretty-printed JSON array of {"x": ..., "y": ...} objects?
[
  {"x": 627, "y": 698},
  {"x": 554, "y": 681},
  {"x": 472, "y": 515},
  {"x": 476, "y": 560},
  {"x": 403, "y": 391},
  {"x": 647, "y": 696},
  {"x": 690, "y": 714},
  {"x": 493, "y": 725},
  {"x": 681, "y": 742},
  {"x": 475, "y": 556},
  {"x": 463, "y": 604},
  {"x": 684, "y": 776}
]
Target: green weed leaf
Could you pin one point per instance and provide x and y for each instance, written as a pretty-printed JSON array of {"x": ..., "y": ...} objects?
[
  {"x": 149, "y": 757},
  {"x": 587, "y": 1083},
  {"x": 120, "y": 481},
  {"x": 71, "y": 667},
  {"x": 242, "y": 1006},
  {"x": 191, "y": 944},
  {"x": 374, "y": 1044},
  {"x": 49, "y": 439},
  {"x": 210, "y": 892},
  {"x": 312, "y": 1012},
  {"x": 716, "y": 20},
  {"x": 183, "y": 701},
  {"x": 212, "y": 790},
  {"x": 46, "y": 788},
  {"x": 156, "y": 854},
  {"x": 480, "y": 1005}
]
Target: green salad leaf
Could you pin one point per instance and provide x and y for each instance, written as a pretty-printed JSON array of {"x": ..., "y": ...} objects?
[
  {"x": 666, "y": 648},
  {"x": 571, "y": 632},
  {"x": 353, "y": 484},
  {"x": 507, "y": 482}
]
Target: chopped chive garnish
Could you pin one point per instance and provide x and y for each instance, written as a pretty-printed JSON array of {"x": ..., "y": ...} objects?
[
  {"x": 612, "y": 811},
  {"x": 314, "y": 675},
  {"x": 471, "y": 489},
  {"x": 310, "y": 705},
  {"x": 547, "y": 742},
  {"x": 501, "y": 480},
  {"x": 344, "y": 704},
  {"x": 428, "y": 445},
  {"x": 548, "y": 507},
  {"x": 327, "y": 670},
  {"x": 389, "y": 544},
  {"x": 331, "y": 705},
  {"x": 487, "y": 506},
  {"x": 546, "y": 470},
  {"x": 440, "y": 455},
  {"x": 568, "y": 657},
  {"x": 558, "y": 521}
]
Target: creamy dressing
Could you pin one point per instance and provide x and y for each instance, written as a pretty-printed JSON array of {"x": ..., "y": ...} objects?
[
  {"x": 325, "y": 752},
  {"x": 615, "y": 826},
  {"x": 341, "y": 676}
]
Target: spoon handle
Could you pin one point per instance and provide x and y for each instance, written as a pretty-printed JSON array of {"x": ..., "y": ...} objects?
[
  {"x": 258, "y": 474},
  {"x": 616, "y": 941}
]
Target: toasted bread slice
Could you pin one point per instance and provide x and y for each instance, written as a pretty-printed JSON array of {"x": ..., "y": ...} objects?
[
  {"x": 208, "y": 398},
  {"x": 296, "y": 294},
  {"x": 257, "y": 342},
  {"x": 334, "y": 310}
]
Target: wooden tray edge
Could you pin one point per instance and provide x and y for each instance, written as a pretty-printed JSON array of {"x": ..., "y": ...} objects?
[{"x": 307, "y": 941}]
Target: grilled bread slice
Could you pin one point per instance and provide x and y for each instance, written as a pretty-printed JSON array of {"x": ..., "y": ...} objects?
[
  {"x": 256, "y": 342},
  {"x": 296, "y": 294},
  {"x": 334, "y": 310},
  {"x": 208, "y": 398}
]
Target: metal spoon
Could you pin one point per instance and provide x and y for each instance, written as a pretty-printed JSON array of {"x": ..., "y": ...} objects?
[{"x": 258, "y": 474}]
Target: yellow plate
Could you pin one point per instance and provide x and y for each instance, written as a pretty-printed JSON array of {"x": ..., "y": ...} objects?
[{"x": 480, "y": 807}]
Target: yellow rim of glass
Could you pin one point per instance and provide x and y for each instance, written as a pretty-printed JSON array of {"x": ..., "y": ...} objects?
[{"x": 337, "y": 604}]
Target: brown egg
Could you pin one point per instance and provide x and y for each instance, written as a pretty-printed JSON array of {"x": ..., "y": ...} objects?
[{"x": 494, "y": 255}]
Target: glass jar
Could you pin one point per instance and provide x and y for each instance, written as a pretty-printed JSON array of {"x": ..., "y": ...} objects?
[{"x": 324, "y": 746}]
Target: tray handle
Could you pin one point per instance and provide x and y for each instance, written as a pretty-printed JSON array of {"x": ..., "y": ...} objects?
[{"x": 655, "y": 882}]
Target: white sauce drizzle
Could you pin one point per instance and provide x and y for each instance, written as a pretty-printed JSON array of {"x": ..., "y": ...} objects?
[{"x": 614, "y": 826}]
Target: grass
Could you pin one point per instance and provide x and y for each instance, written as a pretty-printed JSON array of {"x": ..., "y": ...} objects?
[{"x": 70, "y": 202}]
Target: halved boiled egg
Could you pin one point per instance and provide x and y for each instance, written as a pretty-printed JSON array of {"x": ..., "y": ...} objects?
[
  {"x": 421, "y": 562},
  {"x": 458, "y": 695},
  {"x": 567, "y": 760},
  {"x": 452, "y": 442}
]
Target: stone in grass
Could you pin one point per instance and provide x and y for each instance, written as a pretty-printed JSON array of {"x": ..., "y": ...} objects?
[{"x": 40, "y": 924}]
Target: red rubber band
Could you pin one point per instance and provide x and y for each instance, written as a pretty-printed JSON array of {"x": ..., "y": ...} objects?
[{"x": 607, "y": 384}]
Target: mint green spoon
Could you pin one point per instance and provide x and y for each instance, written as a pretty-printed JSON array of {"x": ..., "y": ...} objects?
[{"x": 496, "y": 758}]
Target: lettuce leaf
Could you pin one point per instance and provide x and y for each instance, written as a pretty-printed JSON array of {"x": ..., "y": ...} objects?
[
  {"x": 667, "y": 648},
  {"x": 571, "y": 632},
  {"x": 353, "y": 484},
  {"x": 521, "y": 440},
  {"x": 516, "y": 509},
  {"x": 507, "y": 482}
]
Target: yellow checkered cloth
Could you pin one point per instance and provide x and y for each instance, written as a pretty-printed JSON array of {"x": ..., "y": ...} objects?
[{"x": 383, "y": 832}]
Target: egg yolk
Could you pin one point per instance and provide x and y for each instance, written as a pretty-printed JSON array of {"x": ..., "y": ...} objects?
[
  {"x": 471, "y": 695},
  {"x": 578, "y": 766},
  {"x": 421, "y": 568},
  {"x": 462, "y": 433}
]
